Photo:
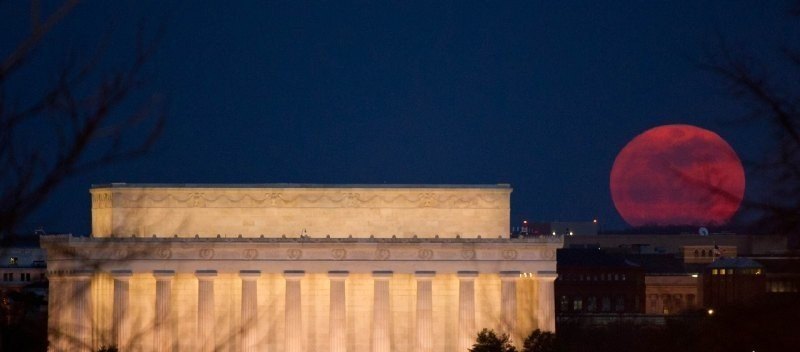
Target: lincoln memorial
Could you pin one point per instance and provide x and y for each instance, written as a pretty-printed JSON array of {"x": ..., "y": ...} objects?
[{"x": 297, "y": 268}]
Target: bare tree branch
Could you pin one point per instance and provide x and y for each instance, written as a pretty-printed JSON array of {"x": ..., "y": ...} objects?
[{"x": 80, "y": 110}]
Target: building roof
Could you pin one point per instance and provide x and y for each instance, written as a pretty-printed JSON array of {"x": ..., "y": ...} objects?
[
  {"x": 659, "y": 263},
  {"x": 739, "y": 262},
  {"x": 574, "y": 257},
  {"x": 780, "y": 265},
  {"x": 293, "y": 185}
]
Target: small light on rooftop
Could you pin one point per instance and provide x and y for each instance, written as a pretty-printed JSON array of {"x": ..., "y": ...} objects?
[
  {"x": 570, "y": 233},
  {"x": 594, "y": 221}
]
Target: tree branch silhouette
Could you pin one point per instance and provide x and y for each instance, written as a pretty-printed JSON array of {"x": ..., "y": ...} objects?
[{"x": 80, "y": 109}]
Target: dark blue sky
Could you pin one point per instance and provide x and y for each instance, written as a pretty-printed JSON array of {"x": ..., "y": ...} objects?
[{"x": 538, "y": 94}]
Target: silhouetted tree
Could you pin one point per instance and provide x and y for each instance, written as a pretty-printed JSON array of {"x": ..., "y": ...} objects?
[
  {"x": 539, "y": 341},
  {"x": 51, "y": 130},
  {"x": 488, "y": 341},
  {"x": 771, "y": 96},
  {"x": 46, "y": 139}
]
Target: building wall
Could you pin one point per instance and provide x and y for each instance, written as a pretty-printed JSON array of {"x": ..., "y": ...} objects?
[
  {"x": 519, "y": 265},
  {"x": 671, "y": 294},
  {"x": 673, "y": 243},
  {"x": 707, "y": 254}
]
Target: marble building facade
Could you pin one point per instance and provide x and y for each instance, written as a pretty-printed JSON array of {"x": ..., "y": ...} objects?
[{"x": 297, "y": 268}]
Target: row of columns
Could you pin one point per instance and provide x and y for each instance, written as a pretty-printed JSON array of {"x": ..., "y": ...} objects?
[
  {"x": 80, "y": 330},
  {"x": 69, "y": 311}
]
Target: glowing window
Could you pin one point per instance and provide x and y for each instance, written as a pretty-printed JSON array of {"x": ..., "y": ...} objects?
[
  {"x": 577, "y": 304},
  {"x": 714, "y": 271},
  {"x": 13, "y": 261}
]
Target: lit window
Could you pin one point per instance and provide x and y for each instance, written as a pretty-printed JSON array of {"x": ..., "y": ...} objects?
[
  {"x": 758, "y": 271},
  {"x": 714, "y": 271},
  {"x": 722, "y": 271},
  {"x": 730, "y": 271},
  {"x": 577, "y": 304},
  {"x": 13, "y": 261}
]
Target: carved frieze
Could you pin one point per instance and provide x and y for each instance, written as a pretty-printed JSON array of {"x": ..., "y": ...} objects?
[
  {"x": 206, "y": 253},
  {"x": 212, "y": 198},
  {"x": 164, "y": 253},
  {"x": 338, "y": 253},
  {"x": 250, "y": 253},
  {"x": 425, "y": 254},
  {"x": 509, "y": 254},
  {"x": 468, "y": 254},
  {"x": 382, "y": 254},
  {"x": 294, "y": 253}
]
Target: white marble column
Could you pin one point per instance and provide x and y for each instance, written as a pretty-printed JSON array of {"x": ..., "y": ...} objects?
[
  {"x": 546, "y": 307},
  {"x": 424, "y": 310},
  {"x": 81, "y": 332},
  {"x": 55, "y": 312},
  {"x": 162, "y": 341},
  {"x": 381, "y": 315},
  {"x": 466, "y": 309},
  {"x": 206, "y": 317},
  {"x": 338, "y": 315},
  {"x": 249, "y": 309},
  {"x": 294, "y": 322},
  {"x": 121, "y": 329},
  {"x": 508, "y": 294}
]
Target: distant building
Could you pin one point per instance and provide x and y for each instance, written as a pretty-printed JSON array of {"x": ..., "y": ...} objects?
[
  {"x": 22, "y": 266},
  {"x": 671, "y": 285},
  {"x": 594, "y": 282},
  {"x": 732, "y": 280},
  {"x": 556, "y": 228},
  {"x": 782, "y": 274}
]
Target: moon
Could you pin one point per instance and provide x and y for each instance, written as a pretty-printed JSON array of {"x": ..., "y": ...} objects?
[{"x": 677, "y": 175}]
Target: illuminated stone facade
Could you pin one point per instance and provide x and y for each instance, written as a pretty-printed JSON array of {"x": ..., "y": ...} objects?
[{"x": 316, "y": 290}]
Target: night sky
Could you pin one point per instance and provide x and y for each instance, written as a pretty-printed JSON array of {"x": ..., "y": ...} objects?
[{"x": 538, "y": 94}]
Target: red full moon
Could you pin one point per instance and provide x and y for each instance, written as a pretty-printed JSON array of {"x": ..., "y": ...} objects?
[{"x": 677, "y": 175}]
